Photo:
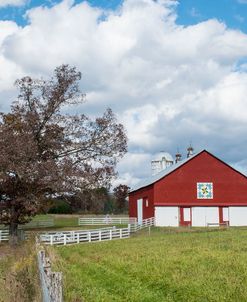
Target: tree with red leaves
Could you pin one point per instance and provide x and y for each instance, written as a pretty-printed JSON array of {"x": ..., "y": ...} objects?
[
  {"x": 45, "y": 153},
  {"x": 121, "y": 193}
]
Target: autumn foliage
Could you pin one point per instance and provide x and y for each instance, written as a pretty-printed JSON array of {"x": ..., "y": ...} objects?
[{"x": 45, "y": 153}]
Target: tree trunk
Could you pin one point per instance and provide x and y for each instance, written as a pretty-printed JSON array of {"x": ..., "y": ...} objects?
[{"x": 13, "y": 234}]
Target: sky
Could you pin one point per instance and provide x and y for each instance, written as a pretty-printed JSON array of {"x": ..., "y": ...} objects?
[{"x": 174, "y": 72}]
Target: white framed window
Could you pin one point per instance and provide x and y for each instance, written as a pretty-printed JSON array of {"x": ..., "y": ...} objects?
[{"x": 146, "y": 202}]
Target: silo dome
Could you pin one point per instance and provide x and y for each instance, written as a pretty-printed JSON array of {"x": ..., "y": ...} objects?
[
  {"x": 167, "y": 156},
  {"x": 161, "y": 161}
]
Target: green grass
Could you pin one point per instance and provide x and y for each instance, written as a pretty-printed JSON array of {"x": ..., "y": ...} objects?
[
  {"x": 69, "y": 222},
  {"x": 194, "y": 266},
  {"x": 60, "y": 221},
  {"x": 65, "y": 222}
]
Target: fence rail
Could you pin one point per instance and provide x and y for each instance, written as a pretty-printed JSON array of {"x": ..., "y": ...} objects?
[
  {"x": 38, "y": 224},
  {"x": 144, "y": 224},
  {"x": 215, "y": 224},
  {"x": 4, "y": 235},
  {"x": 80, "y": 236},
  {"x": 73, "y": 237},
  {"x": 22, "y": 235},
  {"x": 106, "y": 220},
  {"x": 103, "y": 234}
]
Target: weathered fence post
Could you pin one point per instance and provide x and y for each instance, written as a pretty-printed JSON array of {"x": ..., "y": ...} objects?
[
  {"x": 51, "y": 282},
  {"x": 56, "y": 282}
]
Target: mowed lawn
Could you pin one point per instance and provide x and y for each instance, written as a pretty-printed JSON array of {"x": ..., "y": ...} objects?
[{"x": 165, "y": 266}]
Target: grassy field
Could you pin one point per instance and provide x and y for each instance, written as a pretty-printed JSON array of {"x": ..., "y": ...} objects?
[
  {"x": 61, "y": 221},
  {"x": 65, "y": 222},
  {"x": 193, "y": 266}
]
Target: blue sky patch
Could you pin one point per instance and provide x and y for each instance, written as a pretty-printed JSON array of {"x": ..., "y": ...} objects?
[{"x": 232, "y": 12}]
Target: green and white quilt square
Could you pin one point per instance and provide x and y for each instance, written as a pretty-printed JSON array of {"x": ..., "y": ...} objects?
[{"x": 204, "y": 190}]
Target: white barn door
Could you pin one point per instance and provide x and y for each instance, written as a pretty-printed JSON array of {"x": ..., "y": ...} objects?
[
  {"x": 139, "y": 210},
  {"x": 225, "y": 214},
  {"x": 166, "y": 216},
  {"x": 201, "y": 216},
  {"x": 238, "y": 216}
]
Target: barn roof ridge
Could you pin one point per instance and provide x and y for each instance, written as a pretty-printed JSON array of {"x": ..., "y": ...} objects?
[{"x": 154, "y": 178}]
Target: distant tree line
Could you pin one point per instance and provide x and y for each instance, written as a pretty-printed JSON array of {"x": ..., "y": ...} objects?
[{"x": 96, "y": 201}]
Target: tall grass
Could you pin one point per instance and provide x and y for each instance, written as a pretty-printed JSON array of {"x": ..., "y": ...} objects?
[
  {"x": 165, "y": 266},
  {"x": 19, "y": 279}
]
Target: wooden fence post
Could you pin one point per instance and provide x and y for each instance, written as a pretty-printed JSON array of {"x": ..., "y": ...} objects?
[{"x": 51, "y": 282}]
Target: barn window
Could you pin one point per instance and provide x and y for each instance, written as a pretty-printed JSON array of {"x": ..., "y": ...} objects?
[{"x": 146, "y": 202}]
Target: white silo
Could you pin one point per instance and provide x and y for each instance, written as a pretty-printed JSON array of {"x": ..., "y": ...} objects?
[{"x": 161, "y": 161}]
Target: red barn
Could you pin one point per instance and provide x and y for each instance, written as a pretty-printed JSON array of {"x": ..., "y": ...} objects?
[{"x": 197, "y": 191}]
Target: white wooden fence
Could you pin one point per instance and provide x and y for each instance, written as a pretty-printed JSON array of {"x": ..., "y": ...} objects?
[
  {"x": 73, "y": 237},
  {"x": 22, "y": 235},
  {"x": 38, "y": 224},
  {"x": 106, "y": 220},
  {"x": 80, "y": 236},
  {"x": 144, "y": 224},
  {"x": 103, "y": 234},
  {"x": 217, "y": 224},
  {"x": 4, "y": 235}
]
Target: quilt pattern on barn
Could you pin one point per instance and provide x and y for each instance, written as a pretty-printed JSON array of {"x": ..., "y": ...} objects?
[{"x": 204, "y": 190}]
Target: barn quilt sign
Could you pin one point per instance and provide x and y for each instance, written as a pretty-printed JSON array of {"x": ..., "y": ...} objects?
[{"x": 204, "y": 190}]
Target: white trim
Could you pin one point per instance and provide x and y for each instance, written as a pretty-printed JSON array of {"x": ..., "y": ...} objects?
[{"x": 139, "y": 210}]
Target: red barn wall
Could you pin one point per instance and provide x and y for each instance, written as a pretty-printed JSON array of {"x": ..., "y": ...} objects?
[
  {"x": 146, "y": 193},
  {"x": 180, "y": 187}
]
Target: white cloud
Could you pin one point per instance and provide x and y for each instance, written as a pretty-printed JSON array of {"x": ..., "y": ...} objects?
[
  {"x": 4, "y": 3},
  {"x": 9, "y": 69},
  {"x": 169, "y": 84}
]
